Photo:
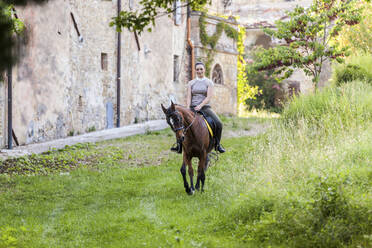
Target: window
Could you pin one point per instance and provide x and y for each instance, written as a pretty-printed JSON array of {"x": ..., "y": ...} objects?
[
  {"x": 176, "y": 67},
  {"x": 217, "y": 76},
  {"x": 104, "y": 62}
]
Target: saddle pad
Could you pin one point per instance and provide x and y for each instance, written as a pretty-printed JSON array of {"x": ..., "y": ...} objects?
[{"x": 208, "y": 126}]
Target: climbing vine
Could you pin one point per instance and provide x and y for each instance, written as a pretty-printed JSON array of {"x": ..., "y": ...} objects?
[
  {"x": 244, "y": 90},
  {"x": 213, "y": 39}
]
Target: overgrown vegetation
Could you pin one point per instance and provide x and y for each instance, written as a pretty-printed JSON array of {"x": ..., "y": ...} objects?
[
  {"x": 358, "y": 37},
  {"x": 268, "y": 91},
  {"x": 10, "y": 24},
  {"x": 211, "y": 41},
  {"x": 139, "y": 20},
  {"x": 305, "y": 183},
  {"x": 307, "y": 38},
  {"x": 357, "y": 67}
]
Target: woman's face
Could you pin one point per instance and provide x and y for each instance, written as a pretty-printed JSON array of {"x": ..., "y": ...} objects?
[{"x": 200, "y": 71}]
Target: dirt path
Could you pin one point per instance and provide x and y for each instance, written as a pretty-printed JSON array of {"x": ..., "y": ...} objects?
[{"x": 255, "y": 129}]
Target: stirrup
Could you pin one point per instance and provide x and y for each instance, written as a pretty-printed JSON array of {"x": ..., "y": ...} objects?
[{"x": 220, "y": 149}]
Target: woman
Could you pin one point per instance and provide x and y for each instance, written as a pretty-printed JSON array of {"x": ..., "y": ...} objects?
[{"x": 199, "y": 93}]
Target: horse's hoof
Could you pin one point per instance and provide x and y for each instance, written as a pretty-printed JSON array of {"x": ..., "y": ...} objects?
[{"x": 191, "y": 192}]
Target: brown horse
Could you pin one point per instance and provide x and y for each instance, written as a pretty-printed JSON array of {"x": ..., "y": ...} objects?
[{"x": 193, "y": 137}]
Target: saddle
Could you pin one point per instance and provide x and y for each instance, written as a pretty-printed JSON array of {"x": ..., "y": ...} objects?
[
  {"x": 210, "y": 125},
  {"x": 209, "y": 122}
]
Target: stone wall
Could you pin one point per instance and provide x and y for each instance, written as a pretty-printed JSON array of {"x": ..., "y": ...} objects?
[{"x": 40, "y": 103}]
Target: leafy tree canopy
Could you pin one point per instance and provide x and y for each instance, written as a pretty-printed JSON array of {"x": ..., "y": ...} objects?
[
  {"x": 8, "y": 26},
  {"x": 306, "y": 38},
  {"x": 137, "y": 21}
]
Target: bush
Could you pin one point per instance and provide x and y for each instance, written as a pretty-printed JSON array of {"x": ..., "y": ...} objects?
[
  {"x": 269, "y": 91},
  {"x": 349, "y": 73},
  {"x": 357, "y": 67}
]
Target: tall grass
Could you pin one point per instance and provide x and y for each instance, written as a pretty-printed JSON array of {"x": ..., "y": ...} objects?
[{"x": 308, "y": 182}]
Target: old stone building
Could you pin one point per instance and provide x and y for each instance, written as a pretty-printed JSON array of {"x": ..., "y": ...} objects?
[{"x": 67, "y": 80}]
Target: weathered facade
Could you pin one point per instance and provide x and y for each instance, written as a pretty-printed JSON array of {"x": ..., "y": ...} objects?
[{"x": 66, "y": 82}]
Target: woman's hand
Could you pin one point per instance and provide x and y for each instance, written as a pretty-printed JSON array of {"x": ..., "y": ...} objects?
[{"x": 198, "y": 108}]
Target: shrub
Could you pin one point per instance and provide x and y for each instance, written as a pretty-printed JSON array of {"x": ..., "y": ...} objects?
[
  {"x": 328, "y": 219},
  {"x": 349, "y": 73},
  {"x": 269, "y": 92},
  {"x": 357, "y": 67}
]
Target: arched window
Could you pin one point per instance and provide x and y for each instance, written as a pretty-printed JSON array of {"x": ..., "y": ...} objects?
[{"x": 217, "y": 76}]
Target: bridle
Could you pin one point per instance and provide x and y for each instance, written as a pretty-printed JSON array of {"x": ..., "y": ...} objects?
[{"x": 182, "y": 127}]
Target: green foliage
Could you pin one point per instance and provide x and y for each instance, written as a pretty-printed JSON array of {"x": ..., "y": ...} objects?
[
  {"x": 307, "y": 36},
  {"x": 358, "y": 37},
  {"x": 348, "y": 106},
  {"x": 213, "y": 40},
  {"x": 357, "y": 67},
  {"x": 327, "y": 219},
  {"x": 268, "y": 89},
  {"x": 304, "y": 183},
  {"x": 91, "y": 129},
  {"x": 244, "y": 90},
  {"x": 137, "y": 21},
  {"x": 17, "y": 25},
  {"x": 349, "y": 73}
]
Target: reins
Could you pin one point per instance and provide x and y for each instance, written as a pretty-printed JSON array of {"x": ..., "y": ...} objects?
[
  {"x": 182, "y": 127},
  {"x": 185, "y": 130}
]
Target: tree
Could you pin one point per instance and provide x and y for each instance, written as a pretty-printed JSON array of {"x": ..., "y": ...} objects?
[
  {"x": 307, "y": 38},
  {"x": 8, "y": 26},
  {"x": 359, "y": 37},
  {"x": 137, "y": 21}
]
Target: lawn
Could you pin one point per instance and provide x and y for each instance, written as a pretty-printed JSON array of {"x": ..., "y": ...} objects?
[
  {"x": 119, "y": 193},
  {"x": 305, "y": 182}
]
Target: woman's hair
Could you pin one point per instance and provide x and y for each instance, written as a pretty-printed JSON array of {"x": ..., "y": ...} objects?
[{"x": 199, "y": 63}]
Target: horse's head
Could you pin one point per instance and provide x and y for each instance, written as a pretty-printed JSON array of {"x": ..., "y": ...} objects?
[{"x": 175, "y": 121}]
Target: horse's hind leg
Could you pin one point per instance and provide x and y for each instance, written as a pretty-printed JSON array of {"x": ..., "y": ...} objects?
[{"x": 201, "y": 173}]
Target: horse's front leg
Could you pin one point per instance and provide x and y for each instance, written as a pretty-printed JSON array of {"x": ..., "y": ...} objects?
[
  {"x": 201, "y": 172},
  {"x": 187, "y": 161},
  {"x": 191, "y": 175},
  {"x": 183, "y": 173}
]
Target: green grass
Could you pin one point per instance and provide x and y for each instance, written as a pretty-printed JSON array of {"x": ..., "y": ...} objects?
[{"x": 306, "y": 182}]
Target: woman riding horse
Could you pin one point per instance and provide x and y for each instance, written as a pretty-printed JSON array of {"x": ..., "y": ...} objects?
[{"x": 191, "y": 131}]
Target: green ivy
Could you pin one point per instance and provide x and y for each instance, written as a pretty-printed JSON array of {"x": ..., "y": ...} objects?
[
  {"x": 17, "y": 25},
  {"x": 213, "y": 40}
]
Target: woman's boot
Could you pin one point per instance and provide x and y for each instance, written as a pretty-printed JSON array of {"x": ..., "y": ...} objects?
[{"x": 219, "y": 147}]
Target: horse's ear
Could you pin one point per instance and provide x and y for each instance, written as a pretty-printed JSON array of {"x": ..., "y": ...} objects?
[
  {"x": 164, "y": 109},
  {"x": 172, "y": 106}
]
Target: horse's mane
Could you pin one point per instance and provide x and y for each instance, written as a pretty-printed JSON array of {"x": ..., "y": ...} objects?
[{"x": 184, "y": 110}]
